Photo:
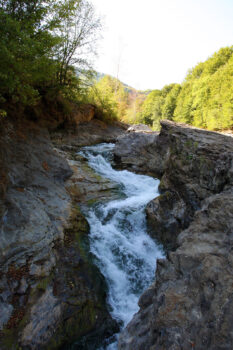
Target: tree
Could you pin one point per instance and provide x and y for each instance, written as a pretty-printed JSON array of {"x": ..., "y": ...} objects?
[
  {"x": 151, "y": 110},
  {"x": 159, "y": 104},
  {"x": 169, "y": 105},
  {"x": 43, "y": 43},
  {"x": 205, "y": 99},
  {"x": 78, "y": 33},
  {"x": 24, "y": 49},
  {"x": 111, "y": 97}
]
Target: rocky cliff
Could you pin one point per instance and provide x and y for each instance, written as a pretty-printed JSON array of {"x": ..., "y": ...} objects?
[
  {"x": 190, "y": 305},
  {"x": 51, "y": 294}
]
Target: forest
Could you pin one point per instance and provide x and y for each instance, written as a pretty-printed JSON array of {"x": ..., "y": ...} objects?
[
  {"x": 204, "y": 99},
  {"x": 46, "y": 52},
  {"x": 46, "y": 48}
]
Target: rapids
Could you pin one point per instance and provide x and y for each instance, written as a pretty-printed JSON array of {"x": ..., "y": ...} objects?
[{"x": 124, "y": 252}]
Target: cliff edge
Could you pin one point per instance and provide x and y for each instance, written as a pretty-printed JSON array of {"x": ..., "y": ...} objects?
[
  {"x": 190, "y": 304},
  {"x": 51, "y": 293}
]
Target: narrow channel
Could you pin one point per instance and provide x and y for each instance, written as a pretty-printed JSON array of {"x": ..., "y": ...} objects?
[{"x": 124, "y": 252}]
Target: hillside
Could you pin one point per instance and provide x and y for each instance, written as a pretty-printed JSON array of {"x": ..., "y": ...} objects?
[
  {"x": 204, "y": 99},
  {"x": 116, "y": 100}
]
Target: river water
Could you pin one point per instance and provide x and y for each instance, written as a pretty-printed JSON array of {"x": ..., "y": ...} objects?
[{"x": 124, "y": 252}]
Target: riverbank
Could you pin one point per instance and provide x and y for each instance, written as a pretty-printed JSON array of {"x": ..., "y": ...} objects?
[
  {"x": 190, "y": 305},
  {"x": 51, "y": 293}
]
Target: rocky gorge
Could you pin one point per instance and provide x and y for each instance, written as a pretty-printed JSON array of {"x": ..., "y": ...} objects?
[
  {"x": 51, "y": 293},
  {"x": 189, "y": 306}
]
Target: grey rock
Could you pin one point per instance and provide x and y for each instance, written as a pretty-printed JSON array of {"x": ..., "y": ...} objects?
[
  {"x": 37, "y": 205},
  {"x": 135, "y": 151},
  {"x": 44, "y": 319},
  {"x": 50, "y": 292},
  {"x": 85, "y": 185},
  {"x": 190, "y": 304},
  {"x": 23, "y": 286},
  {"x": 87, "y": 134},
  {"x": 199, "y": 165},
  {"x": 35, "y": 209},
  {"x": 165, "y": 216},
  {"x": 43, "y": 268},
  {"x": 5, "y": 314}
]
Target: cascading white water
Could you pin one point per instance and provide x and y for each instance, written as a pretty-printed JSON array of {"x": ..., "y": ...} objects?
[{"x": 125, "y": 254}]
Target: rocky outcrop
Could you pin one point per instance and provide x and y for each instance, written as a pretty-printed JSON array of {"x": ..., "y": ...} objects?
[
  {"x": 136, "y": 151},
  {"x": 88, "y": 133},
  {"x": 190, "y": 305},
  {"x": 35, "y": 200},
  {"x": 192, "y": 165},
  {"x": 199, "y": 165},
  {"x": 51, "y": 294},
  {"x": 85, "y": 186}
]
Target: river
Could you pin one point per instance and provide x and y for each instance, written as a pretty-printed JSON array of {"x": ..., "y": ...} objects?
[{"x": 124, "y": 252}]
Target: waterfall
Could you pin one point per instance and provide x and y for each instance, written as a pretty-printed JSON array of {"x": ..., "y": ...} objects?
[{"x": 124, "y": 252}]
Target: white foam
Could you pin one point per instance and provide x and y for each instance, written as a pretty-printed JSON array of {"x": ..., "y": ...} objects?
[{"x": 125, "y": 253}]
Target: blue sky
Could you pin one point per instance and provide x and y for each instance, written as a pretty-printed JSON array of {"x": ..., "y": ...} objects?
[{"x": 151, "y": 43}]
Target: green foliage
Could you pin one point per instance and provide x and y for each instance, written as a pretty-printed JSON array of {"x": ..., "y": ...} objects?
[
  {"x": 205, "y": 99},
  {"x": 159, "y": 104},
  {"x": 169, "y": 105},
  {"x": 109, "y": 95},
  {"x": 24, "y": 47},
  {"x": 151, "y": 108},
  {"x": 42, "y": 45},
  {"x": 135, "y": 102},
  {"x": 78, "y": 34}
]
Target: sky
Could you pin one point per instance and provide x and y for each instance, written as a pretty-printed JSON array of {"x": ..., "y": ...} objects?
[{"x": 148, "y": 44}]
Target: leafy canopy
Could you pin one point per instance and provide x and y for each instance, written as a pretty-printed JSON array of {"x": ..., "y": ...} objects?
[
  {"x": 204, "y": 99},
  {"x": 44, "y": 44}
]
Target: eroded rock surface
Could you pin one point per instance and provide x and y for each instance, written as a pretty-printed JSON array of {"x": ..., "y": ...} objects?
[
  {"x": 88, "y": 133},
  {"x": 136, "y": 151},
  {"x": 190, "y": 305},
  {"x": 51, "y": 294},
  {"x": 199, "y": 165}
]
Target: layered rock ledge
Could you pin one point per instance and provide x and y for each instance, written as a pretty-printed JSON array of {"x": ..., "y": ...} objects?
[
  {"x": 51, "y": 293},
  {"x": 190, "y": 305}
]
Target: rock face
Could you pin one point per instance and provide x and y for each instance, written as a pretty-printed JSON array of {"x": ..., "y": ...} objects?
[
  {"x": 36, "y": 205},
  {"x": 135, "y": 151},
  {"x": 192, "y": 164},
  {"x": 85, "y": 186},
  {"x": 88, "y": 133},
  {"x": 190, "y": 305},
  {"x": 199, "y": 165},
  {"x": 51, "y": 294}
]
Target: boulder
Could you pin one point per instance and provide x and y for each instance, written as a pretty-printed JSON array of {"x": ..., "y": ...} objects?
[
  {"x": 199, "y": 165},
  {"x": 51, "y": 294},
  {"x": 190, "y": 304},
  {"x": 88, "y": 133},
  {"x": 136, "y": 151}
]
